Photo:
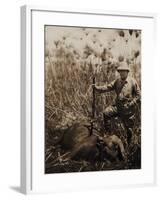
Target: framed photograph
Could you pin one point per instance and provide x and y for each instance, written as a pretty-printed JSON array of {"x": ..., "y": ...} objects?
[{"x": 87, "y": 105}]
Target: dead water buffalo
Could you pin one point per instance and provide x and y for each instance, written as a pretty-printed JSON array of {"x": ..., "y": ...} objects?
[{"x": 77, "y": 140}]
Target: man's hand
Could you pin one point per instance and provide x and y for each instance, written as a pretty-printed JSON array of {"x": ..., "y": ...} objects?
[
  {"x": 95, "y": 87},
  {"x": 100, "y": 89}
]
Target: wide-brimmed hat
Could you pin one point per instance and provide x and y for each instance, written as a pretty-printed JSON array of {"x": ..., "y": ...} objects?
[{"x": 123, "y": 66}]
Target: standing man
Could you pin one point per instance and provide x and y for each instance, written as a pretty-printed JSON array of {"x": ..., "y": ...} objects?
[{"x": 127, "y": 96}]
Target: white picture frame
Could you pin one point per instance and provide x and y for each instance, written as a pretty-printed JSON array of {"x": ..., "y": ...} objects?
[{"x": 33, "y": 179}]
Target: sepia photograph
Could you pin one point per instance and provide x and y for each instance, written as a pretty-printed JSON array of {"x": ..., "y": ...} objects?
[{"x": 92, "y": 99}]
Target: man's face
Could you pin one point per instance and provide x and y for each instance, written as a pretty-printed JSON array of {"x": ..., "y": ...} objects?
[{"x": 123, "y": 74}]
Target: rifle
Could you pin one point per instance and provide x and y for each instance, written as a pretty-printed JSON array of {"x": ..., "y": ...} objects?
[
  {"x": 94, "y": 98},
  {"x": 93, "y": 103},
  {"x": 95, "y": 69}
]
